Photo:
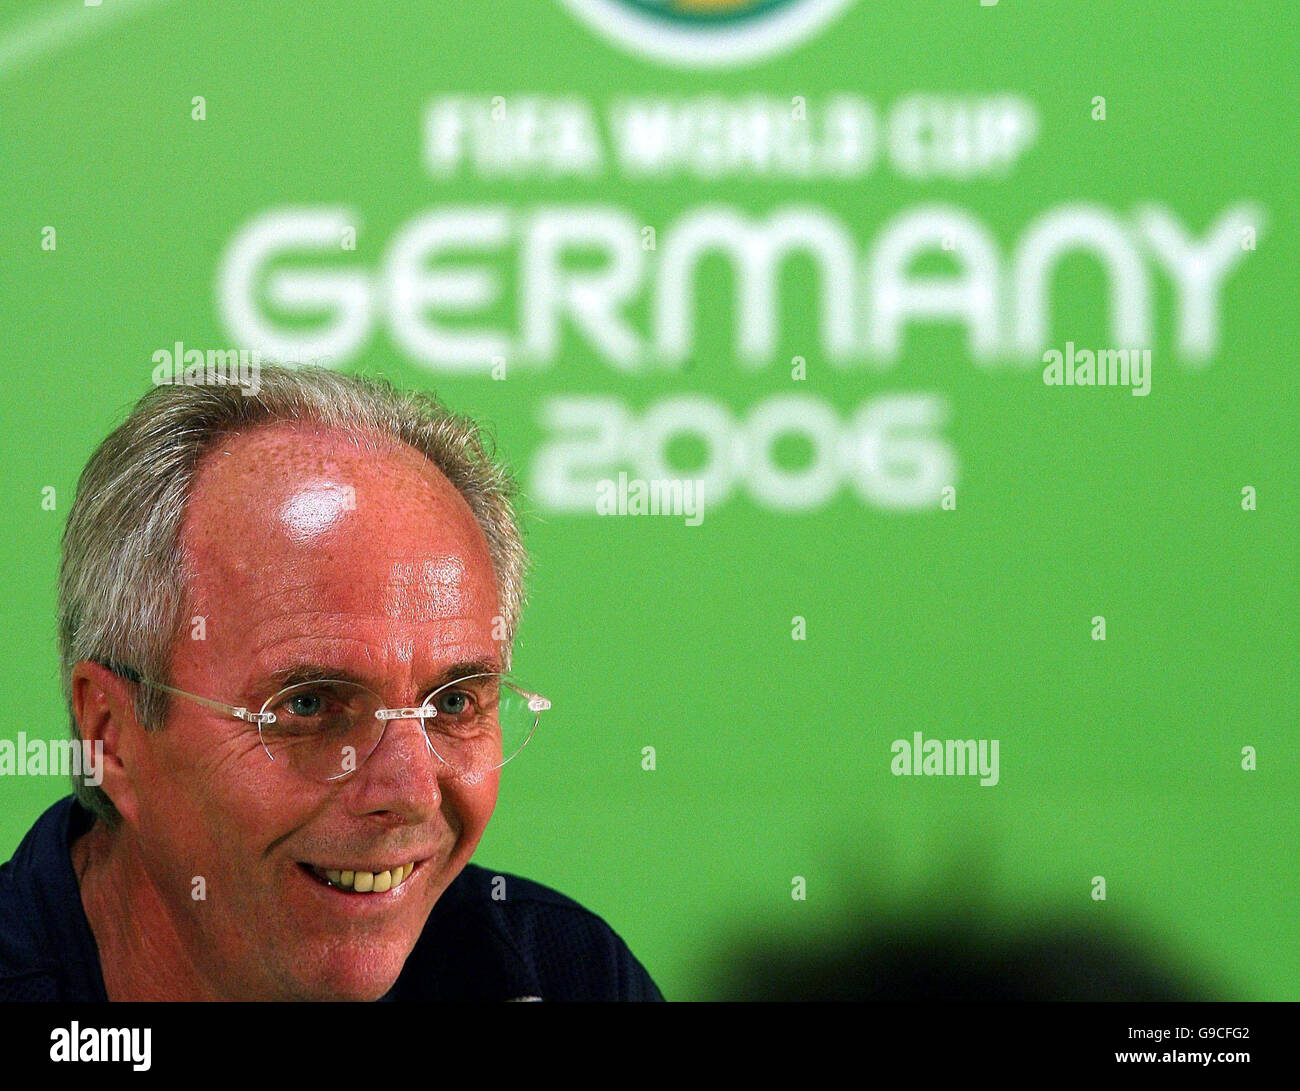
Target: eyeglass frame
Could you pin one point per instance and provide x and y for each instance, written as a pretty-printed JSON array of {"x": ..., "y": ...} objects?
[{"x": 536, "y": 703}]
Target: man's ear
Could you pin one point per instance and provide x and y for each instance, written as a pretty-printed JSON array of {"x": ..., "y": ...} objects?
[{"x": 104, "y": 705}]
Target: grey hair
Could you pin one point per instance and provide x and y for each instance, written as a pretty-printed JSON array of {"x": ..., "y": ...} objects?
[{"x": 122, "y": 592}]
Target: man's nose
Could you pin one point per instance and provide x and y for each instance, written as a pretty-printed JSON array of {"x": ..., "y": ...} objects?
[
  {"x": 406, "y": 733},
  {"x": 401, "y": 774}
]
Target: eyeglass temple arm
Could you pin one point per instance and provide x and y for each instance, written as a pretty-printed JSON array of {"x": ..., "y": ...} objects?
[
  {"x": 536, "y": 702},
  {"x": 238, "y": 711}
]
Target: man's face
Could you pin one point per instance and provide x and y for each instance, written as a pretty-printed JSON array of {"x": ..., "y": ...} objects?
[{"x": 305, "y": 550}]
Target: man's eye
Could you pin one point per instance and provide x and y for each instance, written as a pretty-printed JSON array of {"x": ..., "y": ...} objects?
[
  {"x": 315, "y": 705},
  {"x": 454, "y": 703},
  {"x": 305, "y": 704}
]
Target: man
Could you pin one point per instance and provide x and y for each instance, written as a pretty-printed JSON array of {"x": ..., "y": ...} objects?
[{"x": 283, "y": 617}]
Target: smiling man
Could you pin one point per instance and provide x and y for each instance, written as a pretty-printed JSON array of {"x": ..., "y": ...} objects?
[{"x": 286, "y": 617}]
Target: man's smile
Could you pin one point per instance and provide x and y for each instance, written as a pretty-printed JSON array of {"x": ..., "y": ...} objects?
[{"x": 361, "y": 881}]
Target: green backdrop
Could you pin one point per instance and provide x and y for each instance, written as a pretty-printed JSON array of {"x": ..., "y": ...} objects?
[{"x": 1120, "y": 758}]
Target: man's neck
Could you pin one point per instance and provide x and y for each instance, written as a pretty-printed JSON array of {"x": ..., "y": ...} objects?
[{"x": 141, "y": 954}]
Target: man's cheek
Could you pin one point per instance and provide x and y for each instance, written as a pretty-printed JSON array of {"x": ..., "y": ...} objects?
[
  {"x": 474, "y": 807},
  {"x": 202, "y": 855},
  {"x": 177, "y": 866},
  {"x": 227, "y": 767}
]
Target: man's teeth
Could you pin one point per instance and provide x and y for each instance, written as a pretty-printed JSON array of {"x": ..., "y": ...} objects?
[{"x": 370, "y": 882}]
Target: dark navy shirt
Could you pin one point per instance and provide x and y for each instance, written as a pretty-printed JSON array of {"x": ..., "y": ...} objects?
[{"x": 533, "y": 944}]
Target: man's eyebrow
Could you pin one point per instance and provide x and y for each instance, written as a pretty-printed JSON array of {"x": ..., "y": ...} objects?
[
  {"x": 317, "y": 672},
  {"x": 311, "y": 672},
  {"x": 463, "y": 670}
]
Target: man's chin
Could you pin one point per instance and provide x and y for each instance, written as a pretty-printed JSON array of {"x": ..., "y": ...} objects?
[{"x": 358, "y": 973}]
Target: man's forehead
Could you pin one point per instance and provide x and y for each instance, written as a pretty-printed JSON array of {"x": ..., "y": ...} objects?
[
  {"x": 277, "y": 449},
  {"x": 293, "y": 521},
  {"x": 300, "y": 475},
  {"x": 371, "y": 652},
  {"x": 373, "y": 583},
  {"x": 432, "y": 586}
]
